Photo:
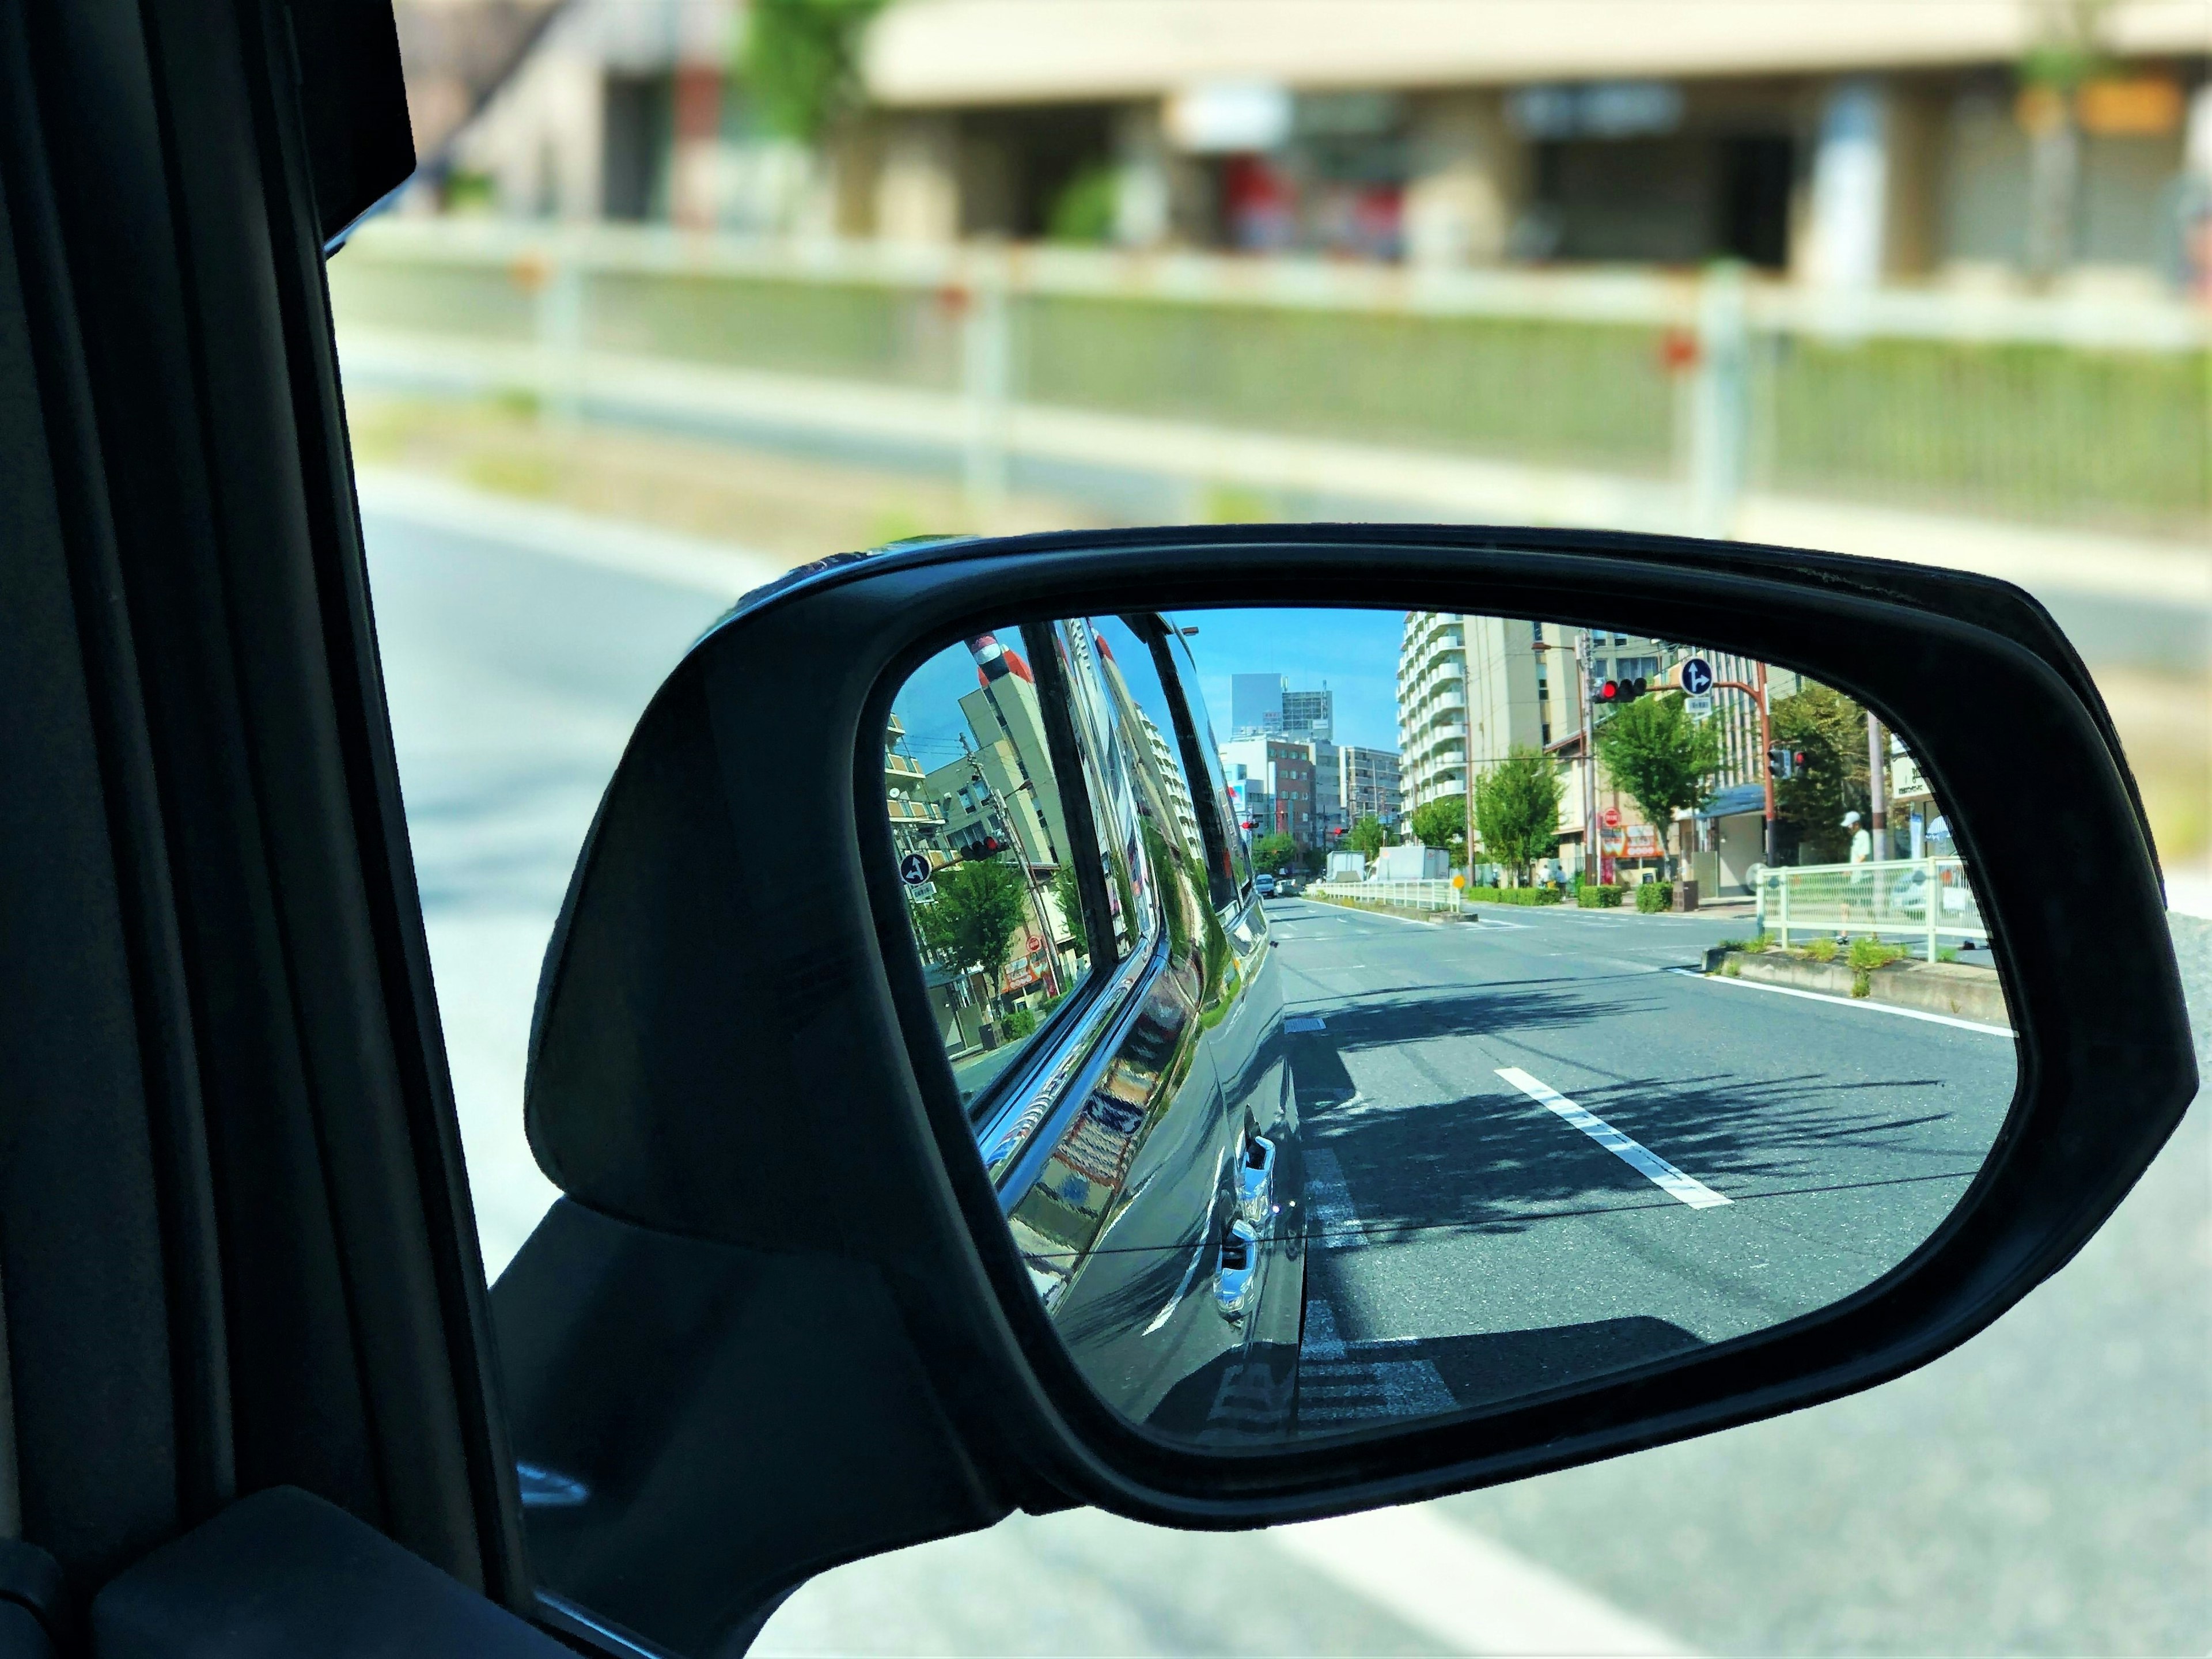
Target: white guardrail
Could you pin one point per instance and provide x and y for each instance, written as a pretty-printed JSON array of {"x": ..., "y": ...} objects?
[
  {"x": 1409, "y": 895},
  {"x": 1925, "y": 901},
  {"x": 1638, "y": 399}
]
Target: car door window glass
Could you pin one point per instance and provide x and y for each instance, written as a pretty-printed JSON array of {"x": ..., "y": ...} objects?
[
  {"x": 1237, "y": 836},
  {"x": 1110, "y": 756}
]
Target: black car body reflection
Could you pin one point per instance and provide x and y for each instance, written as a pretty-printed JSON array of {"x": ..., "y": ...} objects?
[{"x": 1148, "y": 1161}]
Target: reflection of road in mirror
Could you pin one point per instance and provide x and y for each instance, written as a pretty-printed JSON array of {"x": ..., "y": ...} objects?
[{"x": 1535, "y": 1155}]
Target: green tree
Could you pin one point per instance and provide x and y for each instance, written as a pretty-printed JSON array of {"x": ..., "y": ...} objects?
[
  {"x": 1662, "y": 757},
  {"x": 1084, "y": 210},
  {"x": 801, "y": 62},
  {"x": 1516, "y": 810},
  {"x": 1367, "y": 837},
  {"x": 1443, "y": 822},
  {"x": 1829, "y": 729},
  {"x": 972, "y": 921},
  {"x": 1274, "y": 851},
  {"x": 1068, "y": 899}
]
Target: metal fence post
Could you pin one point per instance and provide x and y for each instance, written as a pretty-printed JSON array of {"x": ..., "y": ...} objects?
[
  {"x": 1720, "y": 403},
  {"x": 1935, "y": 903},
  {"x": 1781, "y": 882},
  {"x": 560, "y": 322},
  {"x": 986, "y": 380}
]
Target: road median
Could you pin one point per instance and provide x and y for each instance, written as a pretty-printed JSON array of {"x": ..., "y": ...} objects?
[{"x": 1955, "y": 989}]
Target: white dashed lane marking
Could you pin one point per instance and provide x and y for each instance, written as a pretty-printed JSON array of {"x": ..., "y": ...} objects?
[{"x": 1646, "y": 1162}]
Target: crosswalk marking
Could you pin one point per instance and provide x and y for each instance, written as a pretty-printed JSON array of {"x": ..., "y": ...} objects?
[
  {"x": 1341, "y": 1381},
  {"x": 1333, "y": 1223}
]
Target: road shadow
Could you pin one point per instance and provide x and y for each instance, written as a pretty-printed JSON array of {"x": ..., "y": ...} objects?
[
  {"x": 1478, "y": 1156},
  {"x": 1360, "y": 1383}
]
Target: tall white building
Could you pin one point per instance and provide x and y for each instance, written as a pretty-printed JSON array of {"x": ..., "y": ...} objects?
[{"x": 1432, "y": 707}]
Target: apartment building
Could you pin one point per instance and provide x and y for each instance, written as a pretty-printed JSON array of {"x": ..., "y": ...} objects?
[
  {"x": 917, "y": 819},
  {"x": 1367, "y": 785}
]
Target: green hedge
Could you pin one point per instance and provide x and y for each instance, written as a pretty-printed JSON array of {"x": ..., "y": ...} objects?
[
  {"x": 1654, "y": 896},
  {"x": 1600, "y": 895},
  {"x": 1514, "y": 895}
]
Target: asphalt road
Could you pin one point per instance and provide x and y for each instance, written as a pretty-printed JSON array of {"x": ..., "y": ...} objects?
[
  {"x": 1540, "y": 1147},
  {"x": 2047, "y": 1488}
]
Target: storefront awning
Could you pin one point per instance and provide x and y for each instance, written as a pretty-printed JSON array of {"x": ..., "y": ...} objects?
[{"x": 1736, "y": 799}]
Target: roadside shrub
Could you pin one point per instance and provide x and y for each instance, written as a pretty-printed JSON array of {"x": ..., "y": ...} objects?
[
  {"x": 1731, "y": 969},
  {"x": 1654, "y": 896},
  {"x": 1821, "y": 949},
  {"x": 1513, "y": 894},
  {"x": 1757, "y": 943},
  {"x": 1019, "y": 1023},
  {"x": 1869, "y": 953},
  {"x": 1947, "y": 953}
]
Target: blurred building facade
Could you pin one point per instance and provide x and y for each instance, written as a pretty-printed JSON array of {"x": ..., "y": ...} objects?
[
  {"x": 1844, "y": 145},
  {"x": 1841, "y": 145}
]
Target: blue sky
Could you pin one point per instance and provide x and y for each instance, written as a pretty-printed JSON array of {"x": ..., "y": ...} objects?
[{"x": 1353, "y": 653}]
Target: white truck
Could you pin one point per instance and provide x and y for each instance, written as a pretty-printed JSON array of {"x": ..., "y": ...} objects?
[
  {"x": 1347, "y": 867},
  {"x": 1411, "y": 861}
]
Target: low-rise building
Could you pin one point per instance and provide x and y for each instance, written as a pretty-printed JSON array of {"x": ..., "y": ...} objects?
[{"x": 1272, "y": 781}]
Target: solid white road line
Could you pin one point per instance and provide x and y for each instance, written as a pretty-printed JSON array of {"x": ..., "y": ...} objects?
[
  {"x": 1468, "y": 1593},
  {"x": 1865, "y": 1005},
  {"x": 1648, "y": 1164}
]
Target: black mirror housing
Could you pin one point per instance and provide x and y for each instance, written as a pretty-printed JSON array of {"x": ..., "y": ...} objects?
[{"x": 725, "y": 1084}]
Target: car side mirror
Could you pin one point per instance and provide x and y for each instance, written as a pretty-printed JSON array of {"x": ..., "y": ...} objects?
[{"x": 899, "y": 1053}]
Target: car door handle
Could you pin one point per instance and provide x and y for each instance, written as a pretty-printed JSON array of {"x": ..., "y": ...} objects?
[
  {"x": 1233, "y": 1281},
  {"x": 1255, "y": 1182}
]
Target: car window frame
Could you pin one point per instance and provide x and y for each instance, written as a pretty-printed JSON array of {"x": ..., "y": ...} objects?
[{"x": 1165, "y": 637}]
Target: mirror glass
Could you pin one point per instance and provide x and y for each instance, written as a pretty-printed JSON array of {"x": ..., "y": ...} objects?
[{"x": 1322, "y": 1092}]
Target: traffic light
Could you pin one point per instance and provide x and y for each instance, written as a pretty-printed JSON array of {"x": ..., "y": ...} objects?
[
  {"x": 1612, "y": 693},
  {"x": 1785, "y": 763},
  {"x": 989, "y": 847}
]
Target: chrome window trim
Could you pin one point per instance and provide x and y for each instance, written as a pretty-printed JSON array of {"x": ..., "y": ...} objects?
[{"x": 1042, "y": 1089}]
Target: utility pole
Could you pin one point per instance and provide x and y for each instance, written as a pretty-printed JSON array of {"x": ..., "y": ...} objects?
[
  {"x": 1877, "y": 766},
  {"x": 1756, "y": 691},
  {"x": 1583, "y": 681}
]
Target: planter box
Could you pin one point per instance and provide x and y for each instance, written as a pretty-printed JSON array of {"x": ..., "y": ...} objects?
[{"x": 1935, "y": 987}]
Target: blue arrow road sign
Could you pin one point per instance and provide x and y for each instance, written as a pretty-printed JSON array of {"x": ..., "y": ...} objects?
[{"x": 1696, "y": 676}]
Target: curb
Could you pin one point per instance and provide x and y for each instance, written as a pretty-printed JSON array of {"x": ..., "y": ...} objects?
[{"x": 1938, "y": 987}]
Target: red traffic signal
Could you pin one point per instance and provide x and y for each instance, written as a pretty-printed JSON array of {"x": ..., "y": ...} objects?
[
  {"x": 1609, "y": 692},
  {"x": 1612, "y": 692}
]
